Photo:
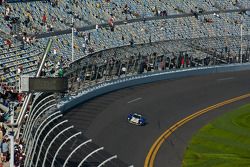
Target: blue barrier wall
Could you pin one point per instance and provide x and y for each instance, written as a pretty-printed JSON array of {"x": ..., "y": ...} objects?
[{"x": 102, "y": 88}]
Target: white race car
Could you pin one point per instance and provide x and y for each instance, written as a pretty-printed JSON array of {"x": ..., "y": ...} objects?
[{"x": 136, "y": 119}]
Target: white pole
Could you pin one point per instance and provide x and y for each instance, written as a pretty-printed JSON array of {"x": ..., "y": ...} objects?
[
  {"x": 57, "y": 151},
  {"x": 44, "y": 139},
  {"x": 84, "y": 143},
  {"x": 72, "y": 39},
  {"x": 12, "y": 136},
  {"x": 107, "y": 160},
  {"x": 41, "y": 131},
  {"x": 50, "y": 144},
  {"x": 90, "y": 154},
  {"x": 11, "y": 148},
  {"x": 32, "y": 114},
  {"x": 241, "y": 32}
]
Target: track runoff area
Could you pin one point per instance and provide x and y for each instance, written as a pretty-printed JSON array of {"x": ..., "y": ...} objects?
[
  {"x": 223, "y": 142},
  {"x": 149, "y": 161}
]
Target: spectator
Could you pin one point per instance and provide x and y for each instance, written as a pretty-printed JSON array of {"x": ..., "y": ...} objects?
[
  {"x": 7, "y": 12},
  {"x": 52, "y": 71},
  {"x": 44, "y": 19},
  {"x": 75, "y": 32},
  {"x": 2, "y": 129},
  {"x": 19, "y": 155},
  {"x": 19, "y": 71},
  {"x": 217, "y": 15},
  {"x": 60, "y": 72},
  {"x": 43, "y": 72},
  {"x": 111, "y": 22},
  {"x": 126, "y": 9},
  {"x": 195, "y": 14},
  {"x": 1, "y": 2},
  {"x": 86, "y": 39},
  {"x": 123, "y": 70},
  {"x": 132, "y": 42},
  {"x": 83, "y": 47},
  {"x": 54, "y": 53},
  {"x": 8, "y": 43},
  {"x": 5, "y": 149},
  {"x": 58, "y": 65},
  {"x": 91, "y": 49}
]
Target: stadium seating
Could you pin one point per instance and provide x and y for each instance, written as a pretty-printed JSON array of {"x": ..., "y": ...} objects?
[
  {"x": 160, "y": 30},
  {"x": 210, "y": 33}
]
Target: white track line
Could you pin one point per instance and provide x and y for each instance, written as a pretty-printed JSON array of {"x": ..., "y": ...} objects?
[
  {"x": 139, "y": 98},
  {"x": 225, "y": 79}
]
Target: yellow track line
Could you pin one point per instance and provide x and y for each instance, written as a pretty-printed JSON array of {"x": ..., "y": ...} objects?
[{"x": 149, "y": 161}]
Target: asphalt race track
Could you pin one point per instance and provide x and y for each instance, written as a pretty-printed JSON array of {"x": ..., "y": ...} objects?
[{"x": 104, "y": 119}]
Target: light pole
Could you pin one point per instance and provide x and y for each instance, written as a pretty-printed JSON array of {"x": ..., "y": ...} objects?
[
  {"x": 72, "y": 36},
  {"x": 241, "y": 33},
  {"x": 11, "y": 133}
]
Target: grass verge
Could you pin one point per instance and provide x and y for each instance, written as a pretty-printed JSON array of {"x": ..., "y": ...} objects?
[{"x": 225, "y": 142}]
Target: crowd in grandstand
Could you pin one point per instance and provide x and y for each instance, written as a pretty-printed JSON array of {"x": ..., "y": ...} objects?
[
  {"x": 19, "y": 154},
  {"x": 32, "y": 15},
  {"x": 7, "y": 97}
]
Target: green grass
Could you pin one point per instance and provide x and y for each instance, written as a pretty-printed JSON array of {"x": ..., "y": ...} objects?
[{"x": 225, "y": 142}]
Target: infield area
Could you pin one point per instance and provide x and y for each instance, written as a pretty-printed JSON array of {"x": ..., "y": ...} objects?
[{"x": 225, "y": 142}]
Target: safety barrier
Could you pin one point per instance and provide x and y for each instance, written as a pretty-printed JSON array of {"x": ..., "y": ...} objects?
[
  {"x": 46, "y": 135},
  {"x": 69, "y": 102}
]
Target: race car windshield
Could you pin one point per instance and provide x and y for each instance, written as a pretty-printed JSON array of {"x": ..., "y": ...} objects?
[{"x": 137, "y": 116}]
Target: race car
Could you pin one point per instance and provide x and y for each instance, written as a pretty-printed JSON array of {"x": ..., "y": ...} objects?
[{"x": 136, "y": 119}]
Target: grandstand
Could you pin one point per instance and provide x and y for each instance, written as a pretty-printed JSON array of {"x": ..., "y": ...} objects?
[{"x": 99, "y": 41}]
